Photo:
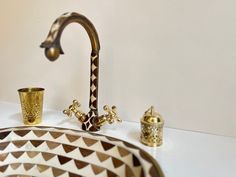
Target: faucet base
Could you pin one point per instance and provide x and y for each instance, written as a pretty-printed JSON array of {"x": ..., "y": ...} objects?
[
  {"x": 91, "y": 129},
  {"x": 89, "y": 124}
]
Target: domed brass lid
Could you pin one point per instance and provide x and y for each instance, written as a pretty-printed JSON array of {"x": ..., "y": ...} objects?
[{"x": 152, "y": 117}]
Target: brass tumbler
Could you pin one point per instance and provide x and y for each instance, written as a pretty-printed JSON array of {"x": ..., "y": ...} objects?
[{"x": 31, "y": 104}]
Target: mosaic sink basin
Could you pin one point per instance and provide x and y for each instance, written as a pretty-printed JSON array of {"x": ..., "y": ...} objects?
[{"x": 57, "y": 152}]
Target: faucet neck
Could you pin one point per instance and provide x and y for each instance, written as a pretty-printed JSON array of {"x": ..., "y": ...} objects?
[{"x": 93, "y": 101}]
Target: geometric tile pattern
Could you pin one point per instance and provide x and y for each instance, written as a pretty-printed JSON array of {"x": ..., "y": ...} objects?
[
  {"x": 93, "y": 81},
  {"x": 92, "y": 115},
  {"x": 58, "y": 152}
]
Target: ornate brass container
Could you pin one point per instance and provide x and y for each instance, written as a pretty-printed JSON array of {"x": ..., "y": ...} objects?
[{"x": 152, "y": 128}]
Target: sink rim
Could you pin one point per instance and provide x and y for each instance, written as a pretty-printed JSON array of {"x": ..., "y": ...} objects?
[{"x": 113, "y": 140}]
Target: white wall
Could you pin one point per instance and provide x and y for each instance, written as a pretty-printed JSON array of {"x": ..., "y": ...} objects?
[{"x": 176, "y": 55}]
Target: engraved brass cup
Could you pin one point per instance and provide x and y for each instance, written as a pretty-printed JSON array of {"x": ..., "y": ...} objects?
[{"x": 31, "y": 104}]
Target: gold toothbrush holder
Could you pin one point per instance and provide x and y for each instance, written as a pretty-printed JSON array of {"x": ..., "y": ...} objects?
[
  {"x": 152, "y": 128},
  {"x": 31, "y": 100}
]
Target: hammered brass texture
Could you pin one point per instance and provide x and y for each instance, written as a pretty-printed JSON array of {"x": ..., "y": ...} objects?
[{"x": 31, "y": 104}]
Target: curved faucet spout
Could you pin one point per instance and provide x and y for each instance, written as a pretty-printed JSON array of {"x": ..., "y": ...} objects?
[{"x": 52, "y": 43}]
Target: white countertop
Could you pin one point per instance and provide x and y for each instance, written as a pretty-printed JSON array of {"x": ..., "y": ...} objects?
[{"x": 183, "y": 153}]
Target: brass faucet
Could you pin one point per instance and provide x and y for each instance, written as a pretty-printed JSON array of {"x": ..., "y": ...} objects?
[{"x": 90, "y": 121}]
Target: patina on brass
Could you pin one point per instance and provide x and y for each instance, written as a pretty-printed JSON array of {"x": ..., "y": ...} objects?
[
  {"x": 31, "y": 104},
  {"x": 152, "y": 128},
  {"x": 90, "y": 121}
]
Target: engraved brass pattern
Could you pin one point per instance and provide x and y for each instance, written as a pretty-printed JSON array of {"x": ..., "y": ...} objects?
[
  {"x": 67, "y": 152},
  {"x": 152, "y": 128},
  {"x": 31, "y": 104}
]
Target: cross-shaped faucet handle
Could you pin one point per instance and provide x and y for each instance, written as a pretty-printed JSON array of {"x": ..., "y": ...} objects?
[
  {"x": 111, "y": 115},
  {"x": 73, "y": 108}
]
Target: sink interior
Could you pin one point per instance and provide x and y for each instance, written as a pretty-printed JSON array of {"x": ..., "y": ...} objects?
[{"x": 58, "y": 152}]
